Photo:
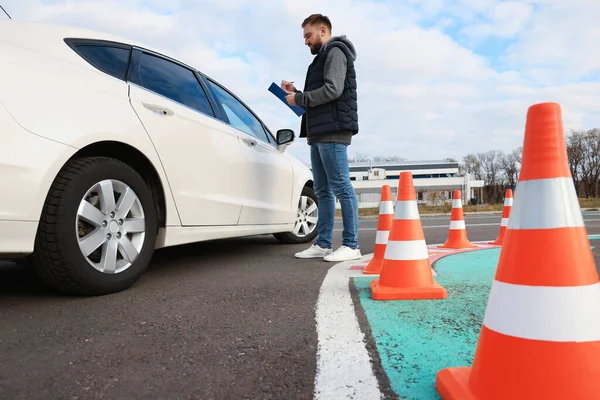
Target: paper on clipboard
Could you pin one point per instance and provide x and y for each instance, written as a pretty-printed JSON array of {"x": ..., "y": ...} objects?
[{"x": 280, "y": 94}]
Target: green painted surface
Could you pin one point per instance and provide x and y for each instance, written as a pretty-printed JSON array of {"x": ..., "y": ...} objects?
[{"x": 416, "y": 339}]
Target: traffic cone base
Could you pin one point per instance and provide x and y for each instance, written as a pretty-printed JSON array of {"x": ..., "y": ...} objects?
[
  {"x": 433, "y": 291},
  {"x": 507, "y": 374},
  {"x": 457, "y": 239},
  {"x": 452, "y": 384},
  {"x": 373, "y": 267}
]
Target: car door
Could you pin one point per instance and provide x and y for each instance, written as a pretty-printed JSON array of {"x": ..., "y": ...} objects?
[
  {"x": 201, "y": 155},
  {"x": 269, "y": 175}
]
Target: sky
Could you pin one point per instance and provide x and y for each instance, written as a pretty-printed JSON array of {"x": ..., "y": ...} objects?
[{"x": 436, "y": 78}]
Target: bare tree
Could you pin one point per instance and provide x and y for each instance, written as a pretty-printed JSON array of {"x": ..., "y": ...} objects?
[
  {"x": 576, "y": 155},
  {"x": 443, "y": 196},
  {"x": 591, "y": 162},
  {"x": 388, "y": 159},
  {"x": 434, "y": 197},
  {"x": 472, "y": 166},
  {"x": 491, "y": 166},
  {"x": 510, "y": 166},
  {"x": 359, "y": 158},
  {"x": 518, "y": 154}
]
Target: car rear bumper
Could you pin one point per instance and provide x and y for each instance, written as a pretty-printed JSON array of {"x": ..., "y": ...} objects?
[{"x": 16, "y": 238}]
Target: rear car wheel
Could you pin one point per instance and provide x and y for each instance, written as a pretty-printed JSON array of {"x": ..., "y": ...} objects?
[
  {"x": 305, "y": 227},
  {"x": 98, "y": 228}
]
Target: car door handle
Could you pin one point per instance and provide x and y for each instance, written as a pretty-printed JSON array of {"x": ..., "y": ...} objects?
[
  {"x": 249, "y": 141},
  {"x": 157, "y": 108}
]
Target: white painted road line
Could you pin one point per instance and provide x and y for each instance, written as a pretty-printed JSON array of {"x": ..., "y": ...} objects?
[
  {"x": 468, "y": 217},
  {"x": 447, "y": 225},
  {"x": 424, "y": 227},
  {"x": 344, "y": 368}
]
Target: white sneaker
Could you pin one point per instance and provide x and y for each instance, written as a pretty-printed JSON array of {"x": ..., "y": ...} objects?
[
  {"x": 344, "y": 254},
  {"x": 313, "y": 251}
]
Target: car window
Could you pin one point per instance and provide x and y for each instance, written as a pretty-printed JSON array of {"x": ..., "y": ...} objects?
[
  {"x": 239, "y": 116},
  {"x": 173, "y": 81},
  {"x": 108, "y": 59}
]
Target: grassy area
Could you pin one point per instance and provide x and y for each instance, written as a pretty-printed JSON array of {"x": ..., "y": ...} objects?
[
  {"x": 467, "y": 208},
  {"x": 589, "y": 203}
]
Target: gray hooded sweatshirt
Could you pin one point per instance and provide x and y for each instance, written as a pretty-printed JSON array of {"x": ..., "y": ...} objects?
[{"x": 335, "y": 76}]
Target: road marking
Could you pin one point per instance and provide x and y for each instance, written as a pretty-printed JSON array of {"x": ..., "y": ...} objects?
[
  {"x": 424, "y": 227},
  {"x": 344, "y": 367},
  {"x": 424, "y": 217},
  {"x": 447, "y": 225}
]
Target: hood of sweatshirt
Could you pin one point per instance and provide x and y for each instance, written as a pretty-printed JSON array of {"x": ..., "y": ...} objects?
[{"x": 344, "y": 40}]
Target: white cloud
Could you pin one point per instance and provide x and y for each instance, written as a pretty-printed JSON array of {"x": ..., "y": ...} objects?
[
  {"x": 503, "y": 19},
  {"x": 422, "y": 94},
  {"x": 558, "y": 44}
]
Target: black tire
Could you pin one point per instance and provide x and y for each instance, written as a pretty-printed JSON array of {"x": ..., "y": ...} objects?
[
  {"x": 59, "y": 261},
  {"x": 289, "y": 237}
]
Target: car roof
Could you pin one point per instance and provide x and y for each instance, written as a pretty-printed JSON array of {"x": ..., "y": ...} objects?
[{"x": 47, "y": 37}]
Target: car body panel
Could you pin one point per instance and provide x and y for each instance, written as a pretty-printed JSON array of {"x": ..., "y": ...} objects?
[
  {"x": 270, "y": 204},
  {"x": 201, "y": 156}
]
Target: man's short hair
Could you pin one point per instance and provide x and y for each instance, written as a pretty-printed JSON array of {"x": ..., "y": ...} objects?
[{"x": 317, "y": 19}]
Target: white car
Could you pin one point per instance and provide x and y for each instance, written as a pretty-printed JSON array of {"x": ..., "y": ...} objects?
[{"x": 110, "y": 149}]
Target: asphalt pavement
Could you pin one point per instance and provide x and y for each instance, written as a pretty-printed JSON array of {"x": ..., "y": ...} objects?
[{"x": 227, "y": 319}]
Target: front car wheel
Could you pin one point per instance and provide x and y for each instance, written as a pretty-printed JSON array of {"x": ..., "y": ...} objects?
[{"x": 305, "y": 226}]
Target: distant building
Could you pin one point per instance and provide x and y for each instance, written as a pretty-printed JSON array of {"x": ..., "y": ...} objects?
[{"x": 434, "y": 181}]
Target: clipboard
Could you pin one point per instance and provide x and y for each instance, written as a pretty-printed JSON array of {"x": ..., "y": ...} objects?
[{"x": 280, "y": 94}]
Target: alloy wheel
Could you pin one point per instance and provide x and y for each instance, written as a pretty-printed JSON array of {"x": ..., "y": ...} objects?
[
  {"x": 110, "y": 226},
  {"x": 307, "y": 217}
]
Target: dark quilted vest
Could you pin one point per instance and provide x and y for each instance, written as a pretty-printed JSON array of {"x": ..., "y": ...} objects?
[{"x": 338, "y": 115}]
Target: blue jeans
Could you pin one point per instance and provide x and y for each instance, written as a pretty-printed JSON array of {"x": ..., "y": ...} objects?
[{"x": 332, "y": 177}]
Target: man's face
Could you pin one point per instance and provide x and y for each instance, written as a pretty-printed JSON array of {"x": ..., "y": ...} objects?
[{"x": 313, "y": 37}]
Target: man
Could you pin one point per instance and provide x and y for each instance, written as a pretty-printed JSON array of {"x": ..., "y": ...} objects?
[{"x": 330, "y": 122}]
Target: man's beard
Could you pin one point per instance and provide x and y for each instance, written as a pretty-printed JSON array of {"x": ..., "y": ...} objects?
[{"x": 315, "y": 49}]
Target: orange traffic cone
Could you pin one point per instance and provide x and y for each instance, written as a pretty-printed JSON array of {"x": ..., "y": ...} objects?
[
  {"x": 541, "y": 331},
  {"x": 406, "y": 271},
  {"x": 508, "y": 202},
  {"x": 384, "y": 224},
  {"x": 457, "y": 237}
]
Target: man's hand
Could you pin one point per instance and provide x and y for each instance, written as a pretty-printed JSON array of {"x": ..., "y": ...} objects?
[
  {"x": 290, "y": 98},
  {"x": 288, "y": 86}
]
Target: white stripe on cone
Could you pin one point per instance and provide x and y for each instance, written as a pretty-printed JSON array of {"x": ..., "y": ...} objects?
[
  {"x": 406, "y": 210},
  {"x": 508, "y": 202},
  {"x": 457, "y": 225},
  {"x": 504, "y": 222},
  {"x": 557, "y": 314},
  {"x": 457, "y": 203},
  {"x": 556, "y": 205},
  {"x": 382, "y": 237},
  {"x": 386, "y": 207},
  {"x": 406, "y": 250}
]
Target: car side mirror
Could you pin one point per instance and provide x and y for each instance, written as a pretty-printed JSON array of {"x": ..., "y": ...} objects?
[{"x": 285, "y": 136}]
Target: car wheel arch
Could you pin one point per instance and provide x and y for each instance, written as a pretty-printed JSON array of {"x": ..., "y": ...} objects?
[{"x": 139, "y": 162}]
